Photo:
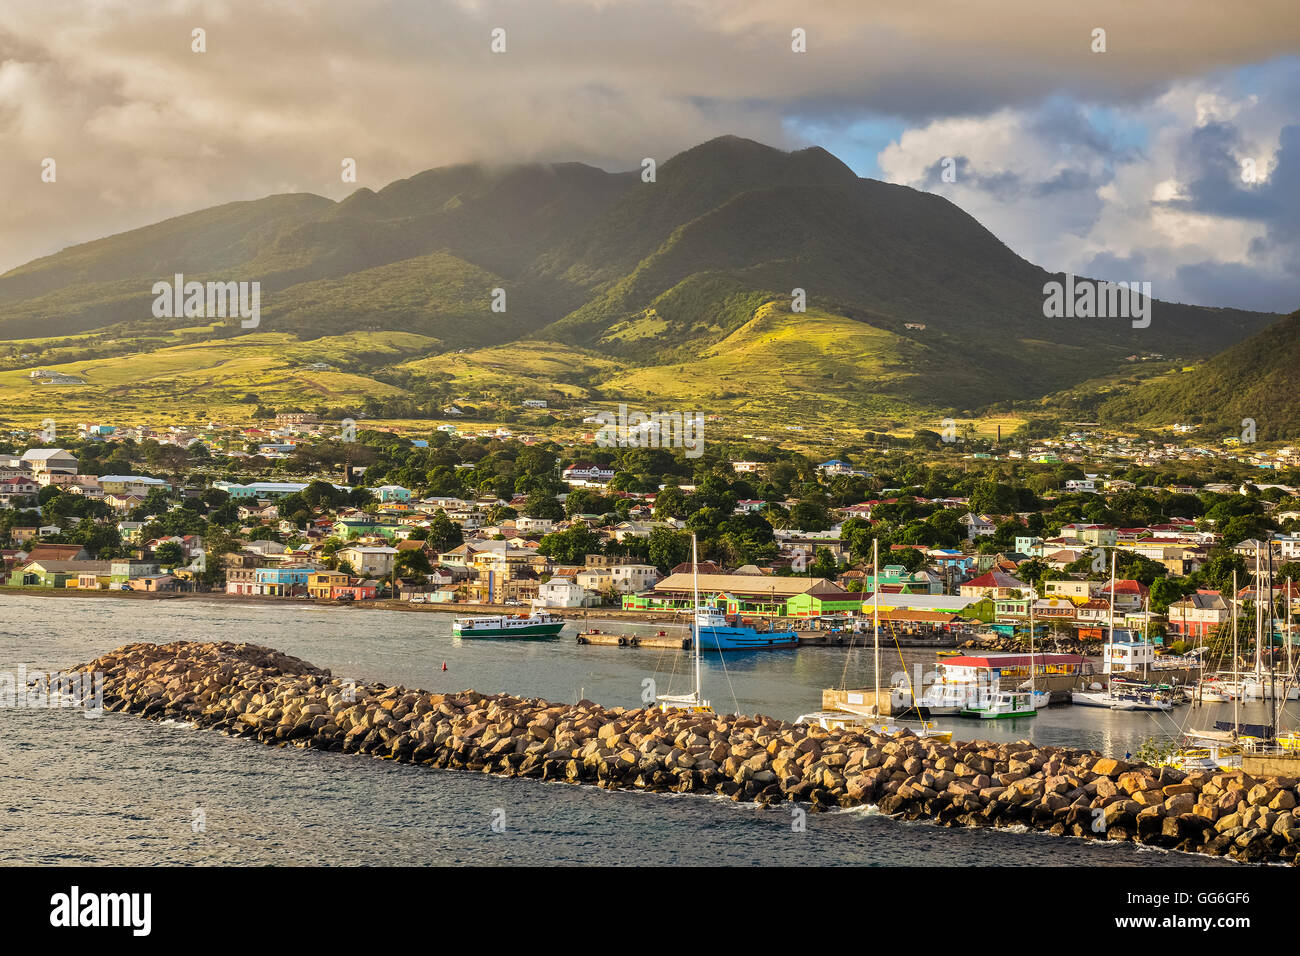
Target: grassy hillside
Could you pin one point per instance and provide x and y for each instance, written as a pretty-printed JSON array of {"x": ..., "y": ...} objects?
[
  {"x": 222, "y": 380},
  {"x": 676, "y": 291},
  {"x": 1257, "y": 379}
]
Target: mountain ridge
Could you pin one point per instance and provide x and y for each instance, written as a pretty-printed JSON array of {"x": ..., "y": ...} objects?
[{"x": 651, "y": 274}]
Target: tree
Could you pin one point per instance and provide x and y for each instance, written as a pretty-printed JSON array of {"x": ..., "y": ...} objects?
[
  {"x": 1217, "y": 572},
  {"x": 570, "y": 546},
  {"x": 668, "y": 548},
  {"x": 444, "y": 534},
  {"x": 412, "y": 562},
  {"x": 810, "y": 515},
  {"x": 169, "y": 554},
  {"x": 541, "y": 504},
  {"x": 824, "y": 566},
  {"x": 671, "y": 502}
]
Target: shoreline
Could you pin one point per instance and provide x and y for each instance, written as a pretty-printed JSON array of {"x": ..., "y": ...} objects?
[
  {"x": 383, "y": 604},
  {"x": 812, "y": 637}
]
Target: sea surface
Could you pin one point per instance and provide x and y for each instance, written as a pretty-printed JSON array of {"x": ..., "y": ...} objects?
[{"x": 122, "y": 790}]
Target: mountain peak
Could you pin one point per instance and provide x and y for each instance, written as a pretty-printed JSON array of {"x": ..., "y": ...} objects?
[{"x": 752, "y": 164}]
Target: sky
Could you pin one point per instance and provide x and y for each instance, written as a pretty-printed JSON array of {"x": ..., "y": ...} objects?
[{"x": 1171, "y": 155}]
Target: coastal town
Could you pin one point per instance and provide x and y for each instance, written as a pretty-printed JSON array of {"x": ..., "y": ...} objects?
[{"x": 301, "y": 509}]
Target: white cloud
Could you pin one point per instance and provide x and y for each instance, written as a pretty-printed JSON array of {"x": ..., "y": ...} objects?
[{"x": 1091, "y": 204}]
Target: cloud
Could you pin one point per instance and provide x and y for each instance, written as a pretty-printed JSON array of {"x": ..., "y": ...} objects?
[
  {"x": 142, "y": 128},
  {"x": 1154, "y": 192}
]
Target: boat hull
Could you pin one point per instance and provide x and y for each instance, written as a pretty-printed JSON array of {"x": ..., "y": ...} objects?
[
  {"x": 745, "y": 639},
  {"x": 523, "y": 632}
]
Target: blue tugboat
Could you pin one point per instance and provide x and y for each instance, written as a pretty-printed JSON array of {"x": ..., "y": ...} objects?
[{"x": 717, "y": 635}]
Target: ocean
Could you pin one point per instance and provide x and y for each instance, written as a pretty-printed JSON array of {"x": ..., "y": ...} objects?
[{"x": 121, "y": 790}]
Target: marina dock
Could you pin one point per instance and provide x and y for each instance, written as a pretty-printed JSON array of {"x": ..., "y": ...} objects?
[{"x": 607, "y": 639}]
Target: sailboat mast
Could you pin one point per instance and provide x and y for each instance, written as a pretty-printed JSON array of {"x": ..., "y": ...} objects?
[
  {"x": 1272, "y": 665},
  {"x": 695, "y": 613},
  {"x": 1259, "y": 618},
  {"x": 1033, "y": 596},
  {"x": 1110, "y": 640},
  {"x": 1287, "y": 599},
  {"x": 1146, "y": 620},
  {"x": 1236, "y": 697},
  {"x": 875, "y": 613}
]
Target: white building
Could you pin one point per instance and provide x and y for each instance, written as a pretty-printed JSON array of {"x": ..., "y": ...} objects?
[
  {"x": 369, "y": 561},
  {"x": 562, "y": 592},
  {"x": 585, "y": 472},
  {"x": 977, "y": 525}
]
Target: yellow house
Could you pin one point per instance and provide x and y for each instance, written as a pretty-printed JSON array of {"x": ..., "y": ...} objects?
[{"x": 321, "y": 584}]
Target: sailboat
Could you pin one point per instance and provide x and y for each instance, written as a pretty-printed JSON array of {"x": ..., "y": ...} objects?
[
  {"x": 693, "y": 702},
  {"x": 1119, "y": 695},
  {"x": 1220, "y": 748},
  {"x": 1265, "y": 683},
  {"x": 868, "y": 716},
  {"x": 1041, "y": 698},
  {"x": 993, "y": 704}
]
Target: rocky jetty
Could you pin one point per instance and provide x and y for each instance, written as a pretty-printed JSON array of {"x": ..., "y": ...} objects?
[
  {"x": 250, "y": 691},
  {"x": 1048, "y": 645}
]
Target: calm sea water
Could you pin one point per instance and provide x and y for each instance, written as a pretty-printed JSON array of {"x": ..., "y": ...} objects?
[{"x": 121, "y": 790}]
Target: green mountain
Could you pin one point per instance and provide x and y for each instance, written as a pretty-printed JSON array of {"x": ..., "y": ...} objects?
[
  {"x": 1257, "y": 379},
  {"x": 677, "y": 289}
]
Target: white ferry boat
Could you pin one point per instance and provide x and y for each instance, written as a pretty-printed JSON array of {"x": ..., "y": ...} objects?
[{"x": 538, "y": 624}]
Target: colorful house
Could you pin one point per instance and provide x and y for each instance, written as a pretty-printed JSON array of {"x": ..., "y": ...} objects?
[{"x": 286, "y": 581}]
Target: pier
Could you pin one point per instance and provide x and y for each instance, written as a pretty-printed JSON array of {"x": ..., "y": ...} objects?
[{"x": 605, "y": 639}]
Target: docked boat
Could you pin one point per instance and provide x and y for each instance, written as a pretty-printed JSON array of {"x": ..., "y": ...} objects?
[
  {"x": 716, "y": 634},
  {"x": 1213, "y": 758},
  {"x": 1140, "y": 700},
  {"x": 1005, "y": 703},
  {"x": 537, "y": 625},
  {"x": 693, "y": 702},
  {"x": 851, "y": 707},
  {"x": 846, "y": 720},
  {"x": 1121, "y": 697},
  {"x": 1091, "y": 698},
  {"x": 1211, "y": 690},
  {"x": 949, "y": 698}
]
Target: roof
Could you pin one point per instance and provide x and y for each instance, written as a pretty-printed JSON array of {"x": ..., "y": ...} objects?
[
  {"x": 995, "y": 579},
  {"x": 751, "y": 584},
  {"x": 919, "y": 616},
  {"x": 1013, "y": 660},
  {"x": 706, "y": 567},
  {"x": 1125, "y": 586},
  {"x": 71, "y": 567},
  {"x": 920, "y": 602},
  {"x": 54, "y": 552},
  {"x": 43, "y": 454}
]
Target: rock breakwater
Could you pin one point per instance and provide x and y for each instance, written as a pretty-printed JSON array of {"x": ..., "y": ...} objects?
[{"x": 249, "y": 691}]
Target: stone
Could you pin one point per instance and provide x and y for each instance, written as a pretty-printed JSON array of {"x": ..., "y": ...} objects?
[{"x": 1108, "y": 767}]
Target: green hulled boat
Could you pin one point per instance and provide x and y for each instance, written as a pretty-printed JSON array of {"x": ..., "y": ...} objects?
[{"x": 537, "y": 625}]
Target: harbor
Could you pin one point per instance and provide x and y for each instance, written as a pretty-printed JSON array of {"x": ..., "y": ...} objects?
[
  {"x": 254, "y": 692},
  {"x": 412, "y": 650}
]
